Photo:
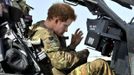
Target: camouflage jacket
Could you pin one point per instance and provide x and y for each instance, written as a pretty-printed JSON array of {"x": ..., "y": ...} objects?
[{"x": 60, "y": 57}]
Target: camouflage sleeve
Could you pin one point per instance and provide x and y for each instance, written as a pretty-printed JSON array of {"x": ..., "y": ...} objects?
[
  {"x": 63, "y": 60},
  {"x": 60, "y": 59},
  {"x": 50, "y": 43}
]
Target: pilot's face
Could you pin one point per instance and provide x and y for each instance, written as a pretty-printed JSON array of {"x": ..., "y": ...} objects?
[{"x": 62, "y": 27}]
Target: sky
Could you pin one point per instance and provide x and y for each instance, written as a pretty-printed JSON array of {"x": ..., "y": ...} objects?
[{"x": 40, "y": 13}]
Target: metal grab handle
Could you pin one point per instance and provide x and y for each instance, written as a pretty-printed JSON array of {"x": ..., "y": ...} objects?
[{"x": 70, "y": 3}]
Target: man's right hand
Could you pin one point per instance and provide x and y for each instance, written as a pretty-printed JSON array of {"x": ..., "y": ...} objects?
[{"x": 83, "y": 55}]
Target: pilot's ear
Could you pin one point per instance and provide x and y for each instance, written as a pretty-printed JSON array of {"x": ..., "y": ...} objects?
[{"x": 56, "y": 20}]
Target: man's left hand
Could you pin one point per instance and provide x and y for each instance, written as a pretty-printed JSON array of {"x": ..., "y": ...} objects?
[{"x": 76, "y": 38}]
